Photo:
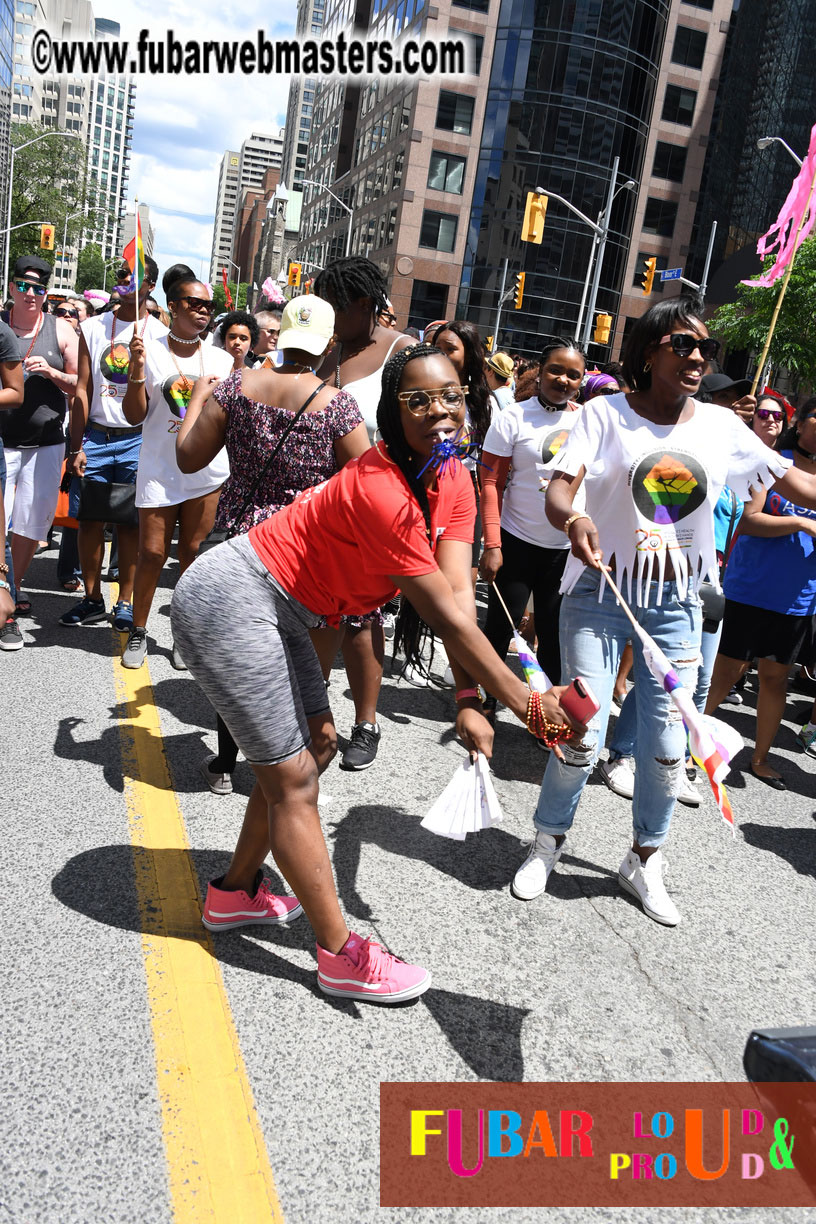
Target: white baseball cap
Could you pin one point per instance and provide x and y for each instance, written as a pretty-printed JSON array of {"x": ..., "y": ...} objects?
[{"x": 307, "y": 323}]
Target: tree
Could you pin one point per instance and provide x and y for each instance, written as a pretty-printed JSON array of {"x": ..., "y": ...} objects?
[
  {"x": 220, "y": 298},
  {"x": 90, "y": 269},
  {"x": 49, "y": 184},
  {"x": 744, "y": 324}
]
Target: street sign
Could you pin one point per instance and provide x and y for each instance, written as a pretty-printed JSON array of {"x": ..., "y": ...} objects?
[{"x": 671, "y": 274}]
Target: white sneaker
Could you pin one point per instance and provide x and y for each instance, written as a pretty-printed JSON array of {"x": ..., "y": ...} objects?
[
  {"x": 618, "y": 776},
  {"x": 389, "y": 625},
  {"x": 531, "y": 878},
  {"x": 447, "y": 678},
  {"x": 689, "y": 795},
  {"x": 414, "y": 676},
  {"x": 177, "y": 660},
  {"x": 645, "y": 881}
]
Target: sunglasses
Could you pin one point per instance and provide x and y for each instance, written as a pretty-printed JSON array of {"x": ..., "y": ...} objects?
[
  {"x": 24, "y": 286},
  {"x": 419, "y": 403},
  {"x": 67, "y": 314},
  {"x": 773, "y": 413},
  {"x": 199, "y": 303},
  {"x": 683, "y": 345}
]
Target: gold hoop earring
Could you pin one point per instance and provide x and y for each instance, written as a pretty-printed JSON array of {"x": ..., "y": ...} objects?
[{"x": 647, "y": 367}]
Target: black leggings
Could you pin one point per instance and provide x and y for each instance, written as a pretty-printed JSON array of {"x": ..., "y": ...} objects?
[
  {"x": 527, "y": 569},
  {"x": 227, "y": 749}
]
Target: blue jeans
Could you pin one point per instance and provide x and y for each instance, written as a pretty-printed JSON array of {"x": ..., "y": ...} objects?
[
  {"x": 9, "y": 563},
  {"x": 623, "y": 741},
  {"x": 593, "y": 635}
]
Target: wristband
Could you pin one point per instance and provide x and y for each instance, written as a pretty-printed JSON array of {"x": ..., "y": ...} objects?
[
  {"x": 573, "y": 519},
  {"x": 4, "y": 586},
  {"x": 467, "y": 694},
  {"x": 72, "y": 453}
]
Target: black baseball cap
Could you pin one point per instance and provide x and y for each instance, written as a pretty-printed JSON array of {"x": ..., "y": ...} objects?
[
  {"x": 714, "y": 384},
  {"x": 33, "y": 269}
]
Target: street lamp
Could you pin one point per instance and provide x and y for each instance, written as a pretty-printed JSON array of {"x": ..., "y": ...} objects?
[
  {"x": 14, "y": 150},
  {"x": 350, "y": 211},
  {"x": 765, "y": 142},
  {"x": 238, "y": 282},
  {"x": 600, "y": 229}
]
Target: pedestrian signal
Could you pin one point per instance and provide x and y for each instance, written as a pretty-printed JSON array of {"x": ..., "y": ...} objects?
[
  {"x": 294, "y": 275},
  {"x": 603, "y": 326},
  {"x": 535, "y": 211},
  {"x": 46, "y": 237},
  {"x": 649, "y": 275},
  {"x": 518, "y": 290}
]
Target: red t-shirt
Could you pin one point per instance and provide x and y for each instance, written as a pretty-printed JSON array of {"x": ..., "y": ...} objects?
[{"x": 335, "y": 545}]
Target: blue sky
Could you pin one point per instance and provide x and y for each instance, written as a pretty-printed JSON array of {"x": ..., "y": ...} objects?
[{"x": 183, "y": 124}]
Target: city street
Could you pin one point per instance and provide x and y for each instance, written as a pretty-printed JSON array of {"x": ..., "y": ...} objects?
[{"x": 123, "y": 1053}]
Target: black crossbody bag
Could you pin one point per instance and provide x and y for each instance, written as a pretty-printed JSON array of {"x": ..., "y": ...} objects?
[{"x": 218, "y": 537}]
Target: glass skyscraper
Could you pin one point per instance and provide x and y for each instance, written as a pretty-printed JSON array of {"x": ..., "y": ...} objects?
[{"x": 571, "y": 87}]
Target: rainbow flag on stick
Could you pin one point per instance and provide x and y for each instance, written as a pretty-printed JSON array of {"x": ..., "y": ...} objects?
[
  {"x": 134, "y": 257},
  {"x": 712, "y": 743},
  {"x": 534, "y": 673}
]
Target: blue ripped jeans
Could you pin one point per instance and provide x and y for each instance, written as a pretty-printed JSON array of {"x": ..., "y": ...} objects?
[{"x": 593, "y": 635}]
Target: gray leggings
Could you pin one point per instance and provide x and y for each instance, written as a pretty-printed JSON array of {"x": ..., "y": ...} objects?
[{"x": 246, "y": 641}]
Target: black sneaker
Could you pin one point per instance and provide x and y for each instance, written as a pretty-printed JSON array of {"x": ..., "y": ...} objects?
[
  {"x": 363, "y": 745},
  {"x": 86, "y": 612},
  {"x": 12, "y": 639}
]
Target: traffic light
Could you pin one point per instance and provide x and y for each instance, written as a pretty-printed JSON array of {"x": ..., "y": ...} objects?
[
  {"x": 294, "y": 275},
  {"x": 603, "y": 326},
  {"x": 649, "y": 275},
  {"x": 46, "y": 237},
  {"x": 489, "y": 344},
  {"x": 518, "y": 290},
  {"x": 535, "y": 210}
]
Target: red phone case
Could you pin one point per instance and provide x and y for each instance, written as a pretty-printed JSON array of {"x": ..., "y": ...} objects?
[{"x": 579, "y": 701}]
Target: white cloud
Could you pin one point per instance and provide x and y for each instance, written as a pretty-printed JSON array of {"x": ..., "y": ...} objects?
[{"x": 183, "y": 124}]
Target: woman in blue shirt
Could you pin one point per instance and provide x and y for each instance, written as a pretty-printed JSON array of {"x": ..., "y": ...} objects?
[{"x": 770, "y": 590}]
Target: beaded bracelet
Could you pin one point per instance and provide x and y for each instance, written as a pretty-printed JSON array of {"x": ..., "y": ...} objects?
[
  {"x": 136, "y": 380},
  {"x": 549, "y": 732}
]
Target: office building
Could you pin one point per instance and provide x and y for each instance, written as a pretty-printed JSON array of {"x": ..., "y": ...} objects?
[
  {"x": 768, "y": 89},
  {"x": 99, "y": 108},
  {"x": 240, "y": 172},
  {"x": 398, "y": 153},
  {"x": 691, "y": 68},
  {"x": 129, "y": 228},
  {"x": 300, "y": 109}
]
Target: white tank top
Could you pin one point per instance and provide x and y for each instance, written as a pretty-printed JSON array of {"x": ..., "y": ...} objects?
[{"x": 367, "y": 392}]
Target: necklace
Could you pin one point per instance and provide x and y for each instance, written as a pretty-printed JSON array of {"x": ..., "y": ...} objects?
[
  {"x": 545, "y": 403},
  {"x": 301, "y": 369},
  {"x": 181, "y": 340},
  {"x": 186, "y": 387},
  {"x": 37, "y": 331},
  {"x": 807, "y": 454}
]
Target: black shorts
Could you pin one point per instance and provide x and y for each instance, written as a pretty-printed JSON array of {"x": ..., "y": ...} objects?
[{"x": 756, "y": 633}]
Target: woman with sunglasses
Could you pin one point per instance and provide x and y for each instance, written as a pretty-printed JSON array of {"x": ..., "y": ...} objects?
[
  {"x": 768, "y": 420},
  {"x": 653, "y": 462},
  {"x": 770, "y": 587},
  {"x": 523, "y": 554},
  {"x": 161, "y": 377},
  {"x": 386, "y": 521}
]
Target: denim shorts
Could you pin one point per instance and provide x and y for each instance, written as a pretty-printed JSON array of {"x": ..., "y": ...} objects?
[{"x": 113, "y": 460}]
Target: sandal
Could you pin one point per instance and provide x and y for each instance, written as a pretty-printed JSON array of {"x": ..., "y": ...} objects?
[
  {"x": 72, "y": 585},
  {"x": 23, "y": 608}
]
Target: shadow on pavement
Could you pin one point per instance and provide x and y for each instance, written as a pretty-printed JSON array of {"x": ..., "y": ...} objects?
[
  {"x": 796, "y": 846},
  {"x": 100, "y": 884},
  {"x": 105, "y": 750}
]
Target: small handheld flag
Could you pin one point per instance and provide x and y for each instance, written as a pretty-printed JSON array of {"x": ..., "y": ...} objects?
[
  {"x": 134, "y": 257},
  {"x": 227, "y": 293}
]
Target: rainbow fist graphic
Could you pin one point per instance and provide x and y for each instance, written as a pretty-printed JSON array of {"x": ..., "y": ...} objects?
[{"x": 669, "y": 484}]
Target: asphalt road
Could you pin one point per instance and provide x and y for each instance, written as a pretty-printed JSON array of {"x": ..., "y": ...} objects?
[{"x": 578, "y": 985}]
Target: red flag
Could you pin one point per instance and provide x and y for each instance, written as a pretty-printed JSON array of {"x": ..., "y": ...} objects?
[{"x": 226, "y": 287}]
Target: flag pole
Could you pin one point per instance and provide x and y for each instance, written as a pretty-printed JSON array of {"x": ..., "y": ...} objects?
[
  {"x": 784, "y": 287},
  {"x": 136, "y": 266}
]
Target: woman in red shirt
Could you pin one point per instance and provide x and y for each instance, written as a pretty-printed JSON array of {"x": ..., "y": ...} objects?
[{"x": 386, "y": 522}]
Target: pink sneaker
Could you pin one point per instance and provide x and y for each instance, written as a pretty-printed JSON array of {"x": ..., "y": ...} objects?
[
  {"x": 224, "y": 911},
  {"x": 364, "y": 970}
]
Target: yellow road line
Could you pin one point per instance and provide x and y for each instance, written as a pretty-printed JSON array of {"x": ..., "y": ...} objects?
[{"x": 218, "y": 1168}]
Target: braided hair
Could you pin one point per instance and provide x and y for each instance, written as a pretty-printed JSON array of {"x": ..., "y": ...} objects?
[
  {"x": 347, "y": 280},
  {"x": 479, "y": 398},
  {"x": 411, "y": 632}
]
